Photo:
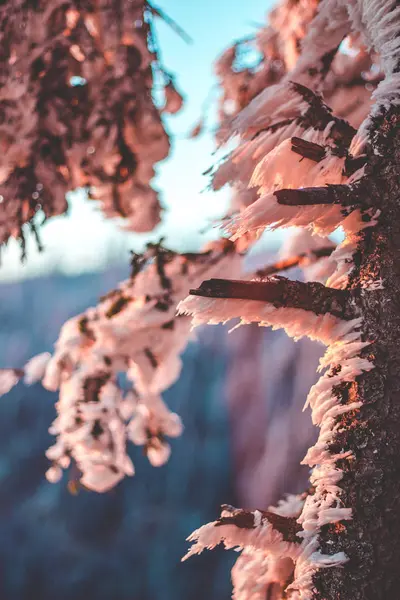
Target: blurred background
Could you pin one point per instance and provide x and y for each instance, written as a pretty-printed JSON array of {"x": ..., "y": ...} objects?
[{"x": 240, "y": 397}]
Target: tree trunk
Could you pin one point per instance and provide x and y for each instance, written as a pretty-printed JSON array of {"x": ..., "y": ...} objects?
[{"x": 371, "y": 481}]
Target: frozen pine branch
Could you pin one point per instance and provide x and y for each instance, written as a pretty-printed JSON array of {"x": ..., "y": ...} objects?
[
  {"x": 271, "y": 550},
  {"x": 245, "y": 519},
  {"x": 295, "y": 321},
  {"x": 281, "y": 292}
]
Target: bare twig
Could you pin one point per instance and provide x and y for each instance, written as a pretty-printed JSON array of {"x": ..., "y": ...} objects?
[{"x": 169, "y": 21}]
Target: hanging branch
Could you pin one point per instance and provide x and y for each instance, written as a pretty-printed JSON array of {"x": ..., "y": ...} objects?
[
  {"x": 76, "y": 110},
  {"x": 133, "y": 330}
]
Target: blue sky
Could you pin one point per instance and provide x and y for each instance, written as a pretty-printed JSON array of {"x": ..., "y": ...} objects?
[{"x": 84, "y": 240}]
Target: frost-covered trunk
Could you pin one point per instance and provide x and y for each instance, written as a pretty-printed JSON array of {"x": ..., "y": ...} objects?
[
  {"x": 339, "y": 541},
  {"x": 348, "y": 519},
  {"x": 371, "y": 480}
]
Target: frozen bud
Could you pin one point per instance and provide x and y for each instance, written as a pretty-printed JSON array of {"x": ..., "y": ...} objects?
[
  {"x": 173, "y": 99},
  {"x": 128, "y": 467},
  {"x": 54, "y": 474},
  {"x": 101, "y": 479},
  {"x": 173, "y": 426},
  {"x": 137, "y": 428},
  {"x": 55, "y": 452},
  {"x": 64, "y": 462},
  {"x": 35, "y": 368},
  {"x": 158, "y": 452},
  {"x": 8, "y": 378},
  {"x": 52, "y": 376},
  {"x": 127, "y": 407},
  {"x": 72, "y": 17}
]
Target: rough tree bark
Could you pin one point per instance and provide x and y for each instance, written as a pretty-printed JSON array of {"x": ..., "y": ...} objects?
[
  {"x": 368, "y": 436},
  {"x": 371, "y": 481}
]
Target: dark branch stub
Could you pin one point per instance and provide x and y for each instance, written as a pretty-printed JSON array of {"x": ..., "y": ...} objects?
[
  {"x": 245, "y": 519},
  {"x": 92, "y": 386},
  {"x": 307, "y": 149},
  {"x": 281, "y": 292},
  {"x": 332, "y": 194},
  {"x": 350, "y": 197}
]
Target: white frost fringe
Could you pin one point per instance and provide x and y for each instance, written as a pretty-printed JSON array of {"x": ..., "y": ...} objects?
[
  {"x": 32, "y": 372},
  {"x": 261, "y": 537},
  {"x": 323, "y": 507},
  {"x": 378, "y": 21},
  {"x": 256, "y": 570},
  {"x": 295, "y": 321},
  {"x": 344, "y": 252}
]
